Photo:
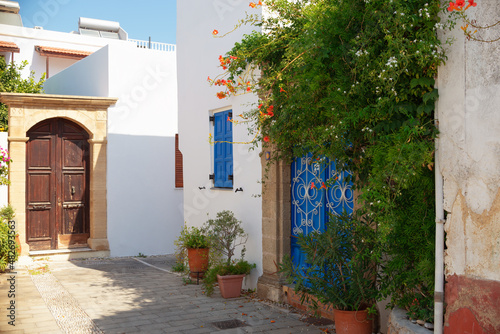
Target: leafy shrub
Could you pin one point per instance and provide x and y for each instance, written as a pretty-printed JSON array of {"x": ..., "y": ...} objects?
[
  {"x": 354, "y": 80},
  {"x": 340, "y": 266},
  {"x": 225, "y": 233},
  {"x": 9, "y": 251}
]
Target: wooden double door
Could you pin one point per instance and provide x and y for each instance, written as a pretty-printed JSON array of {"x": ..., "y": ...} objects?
[{"x": 57, "y": 182}]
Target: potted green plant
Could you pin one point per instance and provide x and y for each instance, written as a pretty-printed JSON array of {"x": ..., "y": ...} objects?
[
  {"x": 340, "y": 271},
  {"x": 226, "y": 234},
  {"x": 196, "y": 244}
]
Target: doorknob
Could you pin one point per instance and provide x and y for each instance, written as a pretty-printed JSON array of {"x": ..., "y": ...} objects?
[{"x": 73, "y": 190}]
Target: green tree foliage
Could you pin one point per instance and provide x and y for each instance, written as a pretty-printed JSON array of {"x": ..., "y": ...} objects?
[
  {"x": 354, "y": 81},
  {"x": 12, "y": 81}
]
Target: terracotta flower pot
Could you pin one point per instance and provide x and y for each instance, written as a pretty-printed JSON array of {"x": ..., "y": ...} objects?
[
  {"x": 198, "y": 261},
  {"x": 230, "y": 285},
  {"x": 352, "y": 322}
]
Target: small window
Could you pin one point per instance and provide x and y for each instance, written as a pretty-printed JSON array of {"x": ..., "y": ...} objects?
[{"x": 223, "y": 150}]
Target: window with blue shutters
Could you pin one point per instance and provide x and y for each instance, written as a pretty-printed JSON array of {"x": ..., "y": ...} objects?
[{"x": 223, "y": 149}]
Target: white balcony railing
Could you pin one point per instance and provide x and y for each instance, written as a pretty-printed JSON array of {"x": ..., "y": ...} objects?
[{"x": 153, "y": 45}]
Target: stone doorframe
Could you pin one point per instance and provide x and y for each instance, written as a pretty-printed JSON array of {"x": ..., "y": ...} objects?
[
  {"x": 91, "y": 113},
  {"x": 276, "y": 224}
]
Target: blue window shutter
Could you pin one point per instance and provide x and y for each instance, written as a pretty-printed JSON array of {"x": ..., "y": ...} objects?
[
  {"x": 223, "y": 150},
  {"x": 228, "y": 158}
]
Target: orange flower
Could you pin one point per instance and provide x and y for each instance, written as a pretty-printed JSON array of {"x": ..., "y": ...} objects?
[
  {"x": 252, "y": 5},
  {"x": 282, "y": 90},
  {"x": 313, "y": 185},
  {"x": 270, "y": 114},
  {"x": 453, "y": 7},
  {"x": 221, "y": 95},
  {"x": 249, "y": 89},
  {"x": 215, "y": 32},
  {"x": 208, "y": 79},
  {"x": 266, "y": 139},
  {"x": 270, "y": 109},
  {"x": 260, "y": 105},
  {"x": 233, "y": 57},
  {"x": 323, "y": 185}
]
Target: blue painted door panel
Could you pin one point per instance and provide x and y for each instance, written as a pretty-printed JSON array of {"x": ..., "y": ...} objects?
[{"x": 311, "y": 205}]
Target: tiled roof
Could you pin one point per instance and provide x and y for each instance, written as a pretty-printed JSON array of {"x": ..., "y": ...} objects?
[
  {"x": 8, "y": 47},
  {"x": 61, "y": 53}
]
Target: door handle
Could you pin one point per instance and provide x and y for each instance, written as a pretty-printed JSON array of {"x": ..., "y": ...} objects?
[
  {"x": 39, "y": 207},
  {"x": 73, "y": 190},
  {"x": 73, "y": 206}
]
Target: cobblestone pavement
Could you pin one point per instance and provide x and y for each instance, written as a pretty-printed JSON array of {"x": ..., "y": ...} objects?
[{"x": 130, "y": 295}]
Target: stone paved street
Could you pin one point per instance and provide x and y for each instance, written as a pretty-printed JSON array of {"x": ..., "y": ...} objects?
[{"x": 130, "y": 295}]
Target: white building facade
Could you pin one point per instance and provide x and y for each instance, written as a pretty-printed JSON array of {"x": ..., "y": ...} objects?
[
  {"x": 144, "y": 206},
  {"x": 237, "y": 185}
]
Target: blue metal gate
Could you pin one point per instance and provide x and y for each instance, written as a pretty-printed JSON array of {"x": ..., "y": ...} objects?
[{"x": 312, "y": 199}]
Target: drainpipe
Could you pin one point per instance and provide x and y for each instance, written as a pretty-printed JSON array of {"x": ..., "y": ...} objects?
[{"x": 439, "y": 269}]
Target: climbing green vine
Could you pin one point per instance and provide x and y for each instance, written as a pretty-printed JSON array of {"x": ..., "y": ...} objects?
[{"x": 354, "y": 81}]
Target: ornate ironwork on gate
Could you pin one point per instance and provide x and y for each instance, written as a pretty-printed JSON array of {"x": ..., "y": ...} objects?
[{"x": 318, "y": 189}]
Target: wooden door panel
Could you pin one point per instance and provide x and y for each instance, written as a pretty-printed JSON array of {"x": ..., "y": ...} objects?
[
  {"x": 39, "y": 228},
  {"x": 40, "y": 153},
  {"x": 40, "y": 232},
  {"x": 40, "y": 189},
  {"x": 73, "y": 151},
  {"x": 73, "y": 220},
  {"x": 57, "y": 183},
  {"x": 40, "y": 184},
  {"x": 74, "y": 188}
]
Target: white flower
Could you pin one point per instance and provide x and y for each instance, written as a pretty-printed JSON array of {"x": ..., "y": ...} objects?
[{"x": 392, "y": 62}]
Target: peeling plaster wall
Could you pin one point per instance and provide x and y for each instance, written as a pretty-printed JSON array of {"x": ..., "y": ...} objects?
[{"x": 469, "y": 153}]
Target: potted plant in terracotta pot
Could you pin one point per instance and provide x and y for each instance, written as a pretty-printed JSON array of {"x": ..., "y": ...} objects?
[
  {"x": 226, "y": 234},
  {"x": 340, "y": 271},
  {"x": 196, "y": 244}
]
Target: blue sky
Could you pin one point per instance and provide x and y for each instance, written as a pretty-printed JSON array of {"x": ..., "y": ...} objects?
[{"x": 139, "y": 18}]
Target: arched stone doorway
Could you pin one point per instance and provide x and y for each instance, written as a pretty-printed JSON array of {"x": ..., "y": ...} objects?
[{"x": 89, "y": 114}]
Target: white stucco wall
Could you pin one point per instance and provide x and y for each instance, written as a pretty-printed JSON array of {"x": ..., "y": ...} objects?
[
  {"x": 27, "y": 38},
  {"x": 469, "y": 150},
  {"x": 198, "y": 54},
  {"x": 144, "y": 208},
  {"x": 90, "y": 77}
]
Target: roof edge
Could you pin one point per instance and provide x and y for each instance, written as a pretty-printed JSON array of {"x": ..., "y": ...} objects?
[{"x": 29, "y": 99}]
